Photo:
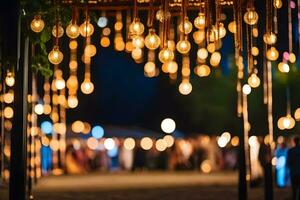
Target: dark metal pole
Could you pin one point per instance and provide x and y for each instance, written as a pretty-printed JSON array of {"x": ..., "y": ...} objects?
[
  {"x": 18, "y": 170},
  {"x": 242, "y": 187}
]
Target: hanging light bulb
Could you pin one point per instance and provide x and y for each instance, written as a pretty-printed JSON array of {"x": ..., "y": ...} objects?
[
  {"x": 72, "y": 82},
  {"x": 86, "y": 29},
  {"x": 102, "y": 21},
  {"x": 202, "y": 53},
  {"x": 277, "y": 4},
  {"x": 222, "y": 30},
  {"x": 136, "y": 27},
  {"x": 253, "y": 80},
  {"x": 87, "y": 87},
  {"x": 72, "y": 101},
  {"x": 270, "y": 38},
  {"x": 272, "y": 54},
  {"x": 137, "y": 53},
  {"x": 187, "y": 27},
  {"x": 297, "y": 114},
  {"x": 149, "y": 67},
  {"x": 55, "y": 56},
  {"x": 172, "y": 67},
  {"x": 183, "y": 46},
  {"x": 185, "y": 87},
  {"x": 10, "y": 79},
  {"x": 39, "y": 109},
  {"x": 57, "y": 31},
  {"x": 60, "y": 83},
  {"x": 251, "y": 17},
  {"x": 199, "y": 21},
  {"x": 280, "y": 123},
  {"x": 283, "y": 67},
  {"x": 72, "y": 30},
  {"x": 90, "y": 50},
  {"x": 37, "y": 24},
  {"x": 215, "y": 59},
  {"x": 199, "y": 36},
  {"x": 152, "y": 41},
  {"x": 166, "y": 55},
  {"x": 202, "y": 70},
  {"x": 162, "y": 15},
  {"x": 138, "y": 41},
  {"x": 232, "y": 27}
]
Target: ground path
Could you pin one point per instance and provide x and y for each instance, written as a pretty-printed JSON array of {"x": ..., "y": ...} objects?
[{"x": 146, "y": 186}]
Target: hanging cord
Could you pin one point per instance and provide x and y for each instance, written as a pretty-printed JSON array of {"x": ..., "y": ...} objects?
[
  {"x": 151, "y": 15},
  {"x": 135, "y": 14}
]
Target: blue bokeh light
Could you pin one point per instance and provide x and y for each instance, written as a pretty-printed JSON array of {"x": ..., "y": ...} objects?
[
  {"x": 46, "y": 127},
  {"x": 97, "y": 132},
  {"x": 113, "y": 152},
  {"x": 102, "y": 22}
]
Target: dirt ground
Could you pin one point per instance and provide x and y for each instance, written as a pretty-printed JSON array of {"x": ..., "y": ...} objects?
[{"x": 146, "y": 186}]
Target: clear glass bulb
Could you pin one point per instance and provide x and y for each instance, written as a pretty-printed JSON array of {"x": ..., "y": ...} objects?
[
  {"x": 270, "y": 38},
  {"x": 187, "y": 27},
  {"x": 149, "y": 67},
  {"x": 152, "y": 41},
  {"x": 251, "y": 17},
  {"x": 55, "y": 56},
  {"x": 58, "y": 31},
  {"x": 72, "y": 31},
  {"x": 90, "y": 50},
  {"x": 166, "y": 55},
  {"x": 199, "y": 21},
  {"x": 87, "y": 87},
  {"x": 72, "y": 101},
  {"x": 86, "y": 29},
  {"x": 37, "y": 24},
  {"x": 136, "y": 27},
  {"x": 138, "y": 41},
  {"x": 137, "y": 53},
  {"x": 10, "y": 79},
  {"x": 253, "y": 80},
  {"x": 272, "y": 54},
  {"x": 185, "y": 87},
  {"x": 183, "y": 46},
  {"x": 60, "y": 83}
]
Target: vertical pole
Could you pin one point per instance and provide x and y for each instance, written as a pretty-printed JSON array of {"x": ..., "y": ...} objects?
[
  {"x": 242, "y": 165},
  {"x": 17, "y": 187}
]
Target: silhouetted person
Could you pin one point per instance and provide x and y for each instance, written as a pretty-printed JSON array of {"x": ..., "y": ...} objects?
[
  {"x": 293, "y": 163},
  {"x": 265, "y": 159}
]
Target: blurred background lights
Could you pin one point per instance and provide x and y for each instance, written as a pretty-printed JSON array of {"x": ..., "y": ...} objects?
[
  {"x": 92, "y": 143},
  {"x": 227, "y": 136},
  {"x": 112, "y": 152},
  {"x": 206, "y": 166},
  {"x": 146, "y": 143},
  {"x": 161, "y": 145},
  {"x": 102, "y": 22},
  {"x": 39, "y": 109},
  {"x": 97, "y": 132},
  {"x": 109, "y": 143},
  {"x": 246, "y": 89},
  {"x": 169, "y": 140},
  {"x": 77, "y": 126},
  {"x": 168, "y": 125},
  {"x": 253, "y": 141},
  {"x": 235, "y": 141},
  {"x": 46, "y": 127},
  {"x": 129, "y": 143},
  {"x": 222, "y": 142}
]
